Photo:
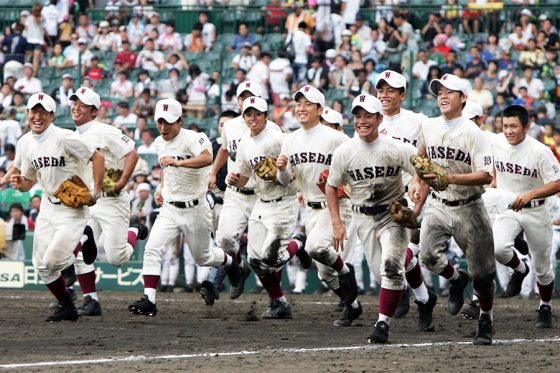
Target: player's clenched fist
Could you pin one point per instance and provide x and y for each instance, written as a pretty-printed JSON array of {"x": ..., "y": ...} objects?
[
  {"x": 233, "y": 179},
  {"x": 168, "y": 161},
  {"x": 16, "y": 181},
  {"x": 158, "y": 198},
  {"x": 281, "y": 162}
]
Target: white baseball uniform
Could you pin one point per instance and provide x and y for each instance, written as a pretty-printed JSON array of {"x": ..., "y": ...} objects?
[
  {"x": 460, "y": 147},
  {"x": 275, "y": 213},
  {"x": 185, "y": 208},
  {"x": 310, "y": 152},
  {"x": 238, "y": 203},
  {"x": 521, "y": 168},
  {"x": 53, "y": 157},
  {"x": 555, "y": 211},
  {"x": 374, "y": 173},
  {"x": 110, "y": 215}
]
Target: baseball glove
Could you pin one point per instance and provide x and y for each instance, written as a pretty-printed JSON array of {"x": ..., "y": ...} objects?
[
  {"x": 402, "y": 215},
  {"x": 266, "y": 169},
  {"x": 74, "y": 193},
  {"x": 322, "y": 183},
  {"x": 110, "y": 180},
  {"x": 426, "y": 166}
]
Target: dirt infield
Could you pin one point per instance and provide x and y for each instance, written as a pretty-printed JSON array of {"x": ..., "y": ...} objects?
[{"x": 186, "y": 335}]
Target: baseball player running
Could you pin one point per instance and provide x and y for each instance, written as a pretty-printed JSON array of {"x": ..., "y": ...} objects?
[
  {"x": 332, "y": 118},
  {"x": 184, "y": 156},
  {"x": 51, "y": 155},
  {"x": 456, "y": 210},
  {"x": 305, "y": 154},
  {"x": 404, "y": 125},
  {"x": 275, "y": 213},
  {"x": 527, "y": 168},
  {"x": 111, "y": 214},
  {"x": 372, "y": 165},
  {"x": 238, "y": 202}
]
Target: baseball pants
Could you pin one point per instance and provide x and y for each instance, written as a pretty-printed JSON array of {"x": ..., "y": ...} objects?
[
  {"x": 195, "y": 223},
  {"x": 536, "y": 224},
  {"x": 470, "y": 226},
  {"x": 271, "y": 226},
  {"x": 385, "y": 244},
  {"x": 57, "y": 232},
  {"x": 318, "y": 226},
  {"x": 234, "y": 218}
]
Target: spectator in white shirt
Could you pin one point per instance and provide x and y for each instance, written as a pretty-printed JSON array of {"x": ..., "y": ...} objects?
[
  {"x": 73, "y": 54},
  {"x": 170, "y": 40},
  {"x": 244, "y": 60},
  {"x": 481, "y": 95},
  {"x": 104, "y": 41},
  {"x": 154, "y": 24},
  {"x": 125, "y": 119},
  {"x": 167, "y": 88},
  {"x": 208, "y": 30},
  {"x": 35, "y": 34},
  {"x": 85, "y": 29},
  {"x": 135, "y": 30},
  {"x": 144, "y": 81},
  {"x": 535, "y": 86},
  {"x": 150, "y": 59},
  {"x": 9, "y": 157},
  {"x": 260, "y": 73},
  {"x": 28, "y": 85},
  {"x": 52, "y": 18},
  {"x": 349, "y": 10},
  {"x": 421, "y": 68},
  {"x": 302, "y": 47},
  {"x": 122, "y": 87},
  {"x": 374, "y": 48},
  {"x": 196, "y": 92},
  {"x": 147, "y": 146},
  {"x": 61, "y": 95},
  {"x": 280, "y": 73},
  {"x": 10, "y": 129}
]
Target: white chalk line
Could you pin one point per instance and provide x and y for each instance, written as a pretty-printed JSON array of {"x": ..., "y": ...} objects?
[{"x": 133, "y": 358}]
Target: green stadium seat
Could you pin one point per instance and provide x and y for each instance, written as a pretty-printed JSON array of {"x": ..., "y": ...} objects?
[{"x": 10, "y": 196}]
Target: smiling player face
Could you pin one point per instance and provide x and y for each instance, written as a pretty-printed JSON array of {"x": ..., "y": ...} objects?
[
  {"x": 256, "y": 120},
  {"x": 450, "y": 103},
  {"x": 39, "y": 119},
  {"x": 307, "y": 112},
  {"x": 366, "y": 124}
]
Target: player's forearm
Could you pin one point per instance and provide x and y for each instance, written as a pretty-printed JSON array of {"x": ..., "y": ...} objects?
[
  {"x": 130, "y": 161},
  {"x": 220, "y": 160},
  {"x": 242, "y": 181},
  {"x": 546, "y": 190},
  {"x": 11, "y": 171},
  {"x": 332, "y": 202},
  {"x": 26, "y": 184},
  {"x": 200, "y": 161},
  {"x": 472, "y": 179},
  {"x": 98, "y": 162}
]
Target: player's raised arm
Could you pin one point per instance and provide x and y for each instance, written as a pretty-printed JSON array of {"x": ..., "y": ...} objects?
[
  {"x": 130, "y": 161},
  {"x": 98, "y": 162}
]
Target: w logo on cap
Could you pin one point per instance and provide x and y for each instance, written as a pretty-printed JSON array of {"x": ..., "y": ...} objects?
[
  {"x": 41, "y": 97},
  {"x": 362, "y": 98},
  {"x": 248, "y": 85},
  {"x": 83, "y": 91},
  {"x": 444, "y": 77},
  {"x": 387, "y": 74},
  {"x": 252, "y": 100},
  {"x": 165, "y": 107},
  {"x": 306, "y": 89}
]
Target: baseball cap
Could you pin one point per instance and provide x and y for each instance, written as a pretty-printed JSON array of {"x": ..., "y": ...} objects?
[
  {"x": 312, "y": 94},
  {"x": 346, "y": 33},
  {"x": 252, "y": 87},
  {"x": 88, "y": 96},
  {"x": 103, "y": 24},
  {"x": 28, "y": 64},
  {"x": 472, "y": 109},
  {"x": 42, "y": 99},
  {"x": 543, "y": 17},
  {"x": 24, "y": 13},
  {"x": 502, "y": 74},
  {"x": 82, "y": 41},
  {"x": 257, "y": 103},
  {"x": 369, "y": 103},
  {"x": 330, "y": 53},
  {"x": 67, "y": 76},
  {"x": 393, "y": 78},
  {"x": 332, "y": 116},
  {"x": 526, "y": 12},
  {"x": 169, "y": 109},
  {"x": 144, "y": 187},
  {"x": 449, "y": 81}
]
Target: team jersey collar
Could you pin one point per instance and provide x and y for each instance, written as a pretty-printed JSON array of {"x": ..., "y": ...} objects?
[
  {"x": 313, "y": 130},
  {"x": 261, "y": 135},
  {"x": 392, "y": 118},
  {"x": 84, "y": 127},
  {"x": 368, "y": 145},
  {"x": 42, "y": 136},
  {"x": 453, "y": 122}
]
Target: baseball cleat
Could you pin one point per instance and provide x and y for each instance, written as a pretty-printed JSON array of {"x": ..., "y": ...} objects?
[
  {"x": 349, "y": 286},
  {"x": 278, "y": 309},
  {"x": 90, "y": 307},
  {"x": 472, "y": 311},
  {"x": 339, "y": 307},
  {"x": 456, "y": 290},
  {"x": 404, "y": 304},
  {"x": 89, "y": 248},
  {"x": 515, "y": 282},
  {"x": 142, "y": 229},
  {"x": 236, "y": 291},
  {"x": 234, "y": 271},
  {"x": 545, "y": 317},
  {"x": 208, "y": 293},
  {"x": 73, "y": 296},
  {"x": 380, "y": 334},
  {"x": 349, "y": 314},
  {"x": 303, "y": 255},
  {"x": 64, "y": 311},
  {"x": 425, "y": 313},
  {"x": 143, "y": 307},
  {"x": 69, "y": 275},
  {"x": 484, "y": 330}
]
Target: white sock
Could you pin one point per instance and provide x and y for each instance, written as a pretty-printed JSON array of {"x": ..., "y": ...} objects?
[
  {"x": 543, "y": 303},
  {"x": 93, "y": 296},
  {"x": 151, "y": 293},
  {"x": 83, "y": 239},
  {"x": 228, "y": 260},
  {"x": 344, "y": 270},
  {"x": 421, "y": 293},
  {"x": 282, "y": 299},
  {"x": 385, "y": 318},
  {"x": 133, "y": 230},
  {"x": 414, "y": 248},
  {"x": 487, "y": 313},
  {"x": 355, "y": 304},
  {"x": 521, "y": 268}
]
